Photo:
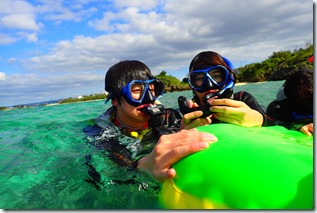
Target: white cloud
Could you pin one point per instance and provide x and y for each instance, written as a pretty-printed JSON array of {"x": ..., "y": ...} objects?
[
  {"x": 15, "y": 7},
  {"x": 12, "y": 60},
  {"x": 6, "y": 39},
  {"x": 2, "y": 76},
  {"x": 256, "y": 29},
  {"x": 17, "y": 14},
  {"x": 59, "y": 11},
  {"x": 141, "y": 4},
  {"x": 19, "y": 21},
  {"x": 165, "y": 35},
  {"x": 17, "y": 88}
]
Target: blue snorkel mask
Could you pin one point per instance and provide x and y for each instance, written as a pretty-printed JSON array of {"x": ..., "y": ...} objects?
[
  {"x": 144, "y": 92},
  {"x": 213, "y": 78},
  {"x": 308, "y": 118},
  {"x": 139, "y": 92}
]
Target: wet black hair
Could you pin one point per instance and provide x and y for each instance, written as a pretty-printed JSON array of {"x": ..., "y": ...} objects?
[
  {"x": 299, "y": 91},
  {"x": 121, "y": 73}
]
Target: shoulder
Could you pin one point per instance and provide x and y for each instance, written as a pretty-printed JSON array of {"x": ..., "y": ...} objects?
[
  {"x": 279, "y": 110},
  {"x": 100, "y": 123},
  {"x": 106, "y": 118}
]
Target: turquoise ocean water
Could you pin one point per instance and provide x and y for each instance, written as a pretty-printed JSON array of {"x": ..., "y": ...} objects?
[{"x": 42, "y": 162}]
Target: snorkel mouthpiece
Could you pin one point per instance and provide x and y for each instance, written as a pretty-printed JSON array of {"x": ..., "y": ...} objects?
[
  {"x": 227, "y": 93},
  {"x": 155, "y": 112}
]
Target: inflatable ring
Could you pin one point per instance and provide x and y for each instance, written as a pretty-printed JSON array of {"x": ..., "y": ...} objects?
[{"x": 247, "y": 168}]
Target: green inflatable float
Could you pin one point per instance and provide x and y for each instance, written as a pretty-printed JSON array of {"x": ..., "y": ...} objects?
[{"x": 248, "y": 168}]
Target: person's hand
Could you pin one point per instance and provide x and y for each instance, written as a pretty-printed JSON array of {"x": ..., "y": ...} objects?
[
  {"x": 235, "y": 112},
  {"x": 308, "y": 129},
  {"x": 191, "y": 120},
  {"x": 171, "y": 148}
]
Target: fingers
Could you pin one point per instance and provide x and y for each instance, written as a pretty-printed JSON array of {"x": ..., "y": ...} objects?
[
  {"x": 226, "y": 102},
  {"x": 185, "y": 137},
  {"x": 171, "y": 148},
  {"x": 190, "y": 142},
  {"x": 227, "y": 106},
  {"x": 227, "y": 118},
  {"x": 192, "y": 115},
  {"x": 164, "y": 170},
  {"x": 307, "y": 129},
  {"x": 193, "y": 123},
  {"x": 191, "y": 120},
  {"x": 242, "y": 117}
]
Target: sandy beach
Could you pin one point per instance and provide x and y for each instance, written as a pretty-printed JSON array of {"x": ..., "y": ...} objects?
[{"x": 243, "y": 83}]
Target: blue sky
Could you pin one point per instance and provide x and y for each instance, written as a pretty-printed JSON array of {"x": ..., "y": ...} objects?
[{"x": 63, "y": 48}]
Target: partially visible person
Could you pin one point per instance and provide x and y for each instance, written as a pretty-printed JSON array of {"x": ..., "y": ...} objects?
[
  {"x": 295, "y": 111},
  {"x": 137, "y": 131},
  {"x": 212, "y": 79},
  {"x": 280, "y": 94}
]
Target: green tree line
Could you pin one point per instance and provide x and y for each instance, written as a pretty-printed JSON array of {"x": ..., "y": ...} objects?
[
  {"x": 277, "y": 67},
  {"x": 84, "y": 98}
]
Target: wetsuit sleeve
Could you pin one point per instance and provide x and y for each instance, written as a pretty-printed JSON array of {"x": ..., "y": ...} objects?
[
  {"x": 282, "y": 115},
  {"x": 250, "y": 100}
]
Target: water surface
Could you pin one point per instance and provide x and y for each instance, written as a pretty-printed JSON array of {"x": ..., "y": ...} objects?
[{"x": 43, "y": 150}]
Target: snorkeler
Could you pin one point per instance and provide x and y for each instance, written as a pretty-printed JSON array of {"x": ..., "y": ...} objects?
[
  {"x": 295, "y": 110},
  {"x": 212, "y": 78},
  {"x": 139, "y": 132}
]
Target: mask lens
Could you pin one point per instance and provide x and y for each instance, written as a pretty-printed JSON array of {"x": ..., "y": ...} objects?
[
  {"x": 137, "y": 90},
  {"x": 218, "y": 74},
  {"x": 197, "y": 78}
]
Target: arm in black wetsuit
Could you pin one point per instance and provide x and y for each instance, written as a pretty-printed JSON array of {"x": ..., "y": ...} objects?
[{"x": 282, "y": 114}]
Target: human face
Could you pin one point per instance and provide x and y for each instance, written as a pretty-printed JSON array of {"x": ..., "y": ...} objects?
[
  {"x": 208, "y": 81},
  {"x": 130, "y": 115}
]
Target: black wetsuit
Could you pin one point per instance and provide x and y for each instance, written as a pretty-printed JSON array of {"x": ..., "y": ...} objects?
[
  {"x": 283, "y": 114},
  {"x": 122, "y": 147}
]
